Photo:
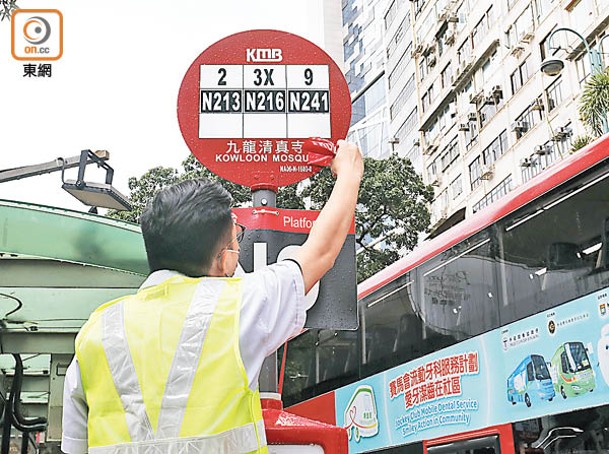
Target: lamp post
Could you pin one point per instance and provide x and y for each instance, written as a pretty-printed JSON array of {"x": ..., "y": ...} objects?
[{"x": 553, "y": 66}]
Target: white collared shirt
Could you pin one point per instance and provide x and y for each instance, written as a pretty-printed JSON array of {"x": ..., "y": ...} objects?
[{"x": 272, "y": 311}]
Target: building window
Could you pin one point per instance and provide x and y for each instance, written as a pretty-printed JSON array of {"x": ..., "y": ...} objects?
[
  {"x": 496, "y": 149},
  {"x": 399, "y": 68},
  {"x": 583, "y": 69},
  {"x": 544, "y": 46},
  {"x": 527, "y": 119},
  {"x": 462, "y": 14},
  {"x": 465, "y": 50},
  {"x": 530, "y": 166},
  {"x": 396, "y": 40},
  {"x": 391, "y": 14},
  {"x": 427, "y": 98},
  {"x": 475, "y": 172},
  {"x": 519, "y": 77},
  {"x": 404, "y": 95},
  {"x": 554, "y": 94},
  {"x": 449, "y": 154},
  {"x": 489, "y": 68},
  {"x": 479, "y": 31},
  {"x": 489, "y": 106},
  {"x": 446, "y": 75},
  {"x": 546, "y": 154},
  {"x": 471, "y": 135},
  {"x": 490, "y": 17},
  {"x": 368, "y": 101},
  {"x": 542, "y": 9},
  {"x": 522, "y": 27},
  {"x": 408, "y": 126},
  {"x": 432, "y": 170},
  {"x": 424, "y": 102},
  {"x": 496, "y": 193},
  {"x": 422, "y": 68},
  {"x": 456, "y": 187}
]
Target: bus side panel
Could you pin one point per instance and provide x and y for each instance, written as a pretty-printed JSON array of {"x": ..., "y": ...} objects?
[{"x": 321, "y": 408}]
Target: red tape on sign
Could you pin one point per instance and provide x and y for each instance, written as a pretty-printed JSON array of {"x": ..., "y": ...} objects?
[{"x": 321, "y": 151}]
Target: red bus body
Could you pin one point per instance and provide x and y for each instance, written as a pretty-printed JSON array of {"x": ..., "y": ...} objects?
[{"x": 552, "y": 436}]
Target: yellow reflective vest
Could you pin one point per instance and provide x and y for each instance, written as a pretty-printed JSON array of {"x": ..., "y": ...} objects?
[{"x": 162, "y": 371}]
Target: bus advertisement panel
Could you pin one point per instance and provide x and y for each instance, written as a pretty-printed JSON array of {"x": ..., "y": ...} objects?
[{"x": 553, "y": 362}]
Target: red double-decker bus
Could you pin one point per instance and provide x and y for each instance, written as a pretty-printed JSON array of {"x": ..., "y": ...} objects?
[{"x": 492, "y": 337}]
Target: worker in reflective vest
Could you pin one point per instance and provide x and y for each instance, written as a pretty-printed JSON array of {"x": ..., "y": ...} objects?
[{"x": 174, "y": 368}]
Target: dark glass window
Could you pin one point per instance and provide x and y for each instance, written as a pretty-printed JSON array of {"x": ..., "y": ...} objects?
[
  {"x": 554, "y": 250},
  {"x": 393, "y": 327},
  {"x": 458, "y": 296}
]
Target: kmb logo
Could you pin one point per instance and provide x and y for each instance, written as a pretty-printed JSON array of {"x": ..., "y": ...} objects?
[
  {"x": 37, "y": 34},
  {"x": 263, "y": 55}
]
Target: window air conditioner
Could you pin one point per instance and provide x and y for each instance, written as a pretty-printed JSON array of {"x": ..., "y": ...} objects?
[
  {"x": 475, "y": 97},
  {"x": 520, "y": 126},
  {"x": 527, "y": 36},
  {"x": 516, "y": 50},
  {"x": 449, "y": 37},
  {"x": 526, "y": 162},
  {"x": 463, "y": 126},
  {"x": 486, "y": 172},
  {"x": 497, "y": 92}
]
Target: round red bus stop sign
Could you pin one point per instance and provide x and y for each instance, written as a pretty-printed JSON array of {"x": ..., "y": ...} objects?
[{"x": 248, "y": 102}]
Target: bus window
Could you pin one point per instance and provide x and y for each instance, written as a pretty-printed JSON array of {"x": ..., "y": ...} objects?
[
  {"x": 390, "y": 325},
  {"x": 484, "y": 445},
  {"x": 337, "y": 356},
  {"x": 458, "y": 295},
  {"x": 301, "y": 367},
  {"x": 550, "y": 250}
]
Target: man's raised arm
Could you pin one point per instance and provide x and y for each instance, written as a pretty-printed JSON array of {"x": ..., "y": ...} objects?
[{"x": 318, "y": 253}]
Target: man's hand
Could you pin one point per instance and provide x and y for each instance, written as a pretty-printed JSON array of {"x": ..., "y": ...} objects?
[{"x": 348, "y": 160}]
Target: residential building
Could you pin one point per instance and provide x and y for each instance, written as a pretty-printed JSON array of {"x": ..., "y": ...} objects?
[{"x": 488, "y": 118}]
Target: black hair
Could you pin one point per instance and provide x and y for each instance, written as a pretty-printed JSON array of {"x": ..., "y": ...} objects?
[{"x": 185, "y": 225}]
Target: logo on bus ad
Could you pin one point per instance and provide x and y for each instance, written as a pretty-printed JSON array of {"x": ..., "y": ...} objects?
[
  {"x": 37, "y": 34},
  {"x": 361, "y": 418}
]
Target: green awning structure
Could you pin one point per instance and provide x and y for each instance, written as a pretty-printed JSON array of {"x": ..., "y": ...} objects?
[
  {"x": 71, "y": 236},
  {"x": 56, "y": 267}
]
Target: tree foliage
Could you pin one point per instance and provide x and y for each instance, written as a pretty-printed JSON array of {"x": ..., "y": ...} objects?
[
  {"x": 392, "y": 210},
  {"x": 6, "y": 8},
  {"x": 580, "y": 142},
  {"x": 392, "y": 205},
  {"x": 594, "y": 103},
  {"x": 144, "y": 189}
]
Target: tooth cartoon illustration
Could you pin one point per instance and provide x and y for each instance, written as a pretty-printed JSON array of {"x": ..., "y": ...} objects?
[{"x": 603, "y": 353}]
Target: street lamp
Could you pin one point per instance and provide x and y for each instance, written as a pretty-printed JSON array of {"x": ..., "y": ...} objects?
[
  {"x": 95, "y": 194},
  {"x": 553, "y": 66}
]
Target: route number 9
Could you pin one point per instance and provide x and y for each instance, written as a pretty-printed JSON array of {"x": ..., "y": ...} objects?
[{"x": 308, "y": 74}]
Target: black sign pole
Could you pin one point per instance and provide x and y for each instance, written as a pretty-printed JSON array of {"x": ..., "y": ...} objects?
[{"x": 268, "y": 375}]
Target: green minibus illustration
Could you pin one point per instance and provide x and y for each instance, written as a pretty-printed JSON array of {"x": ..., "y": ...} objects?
[{"x": 571, "y": 370}]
